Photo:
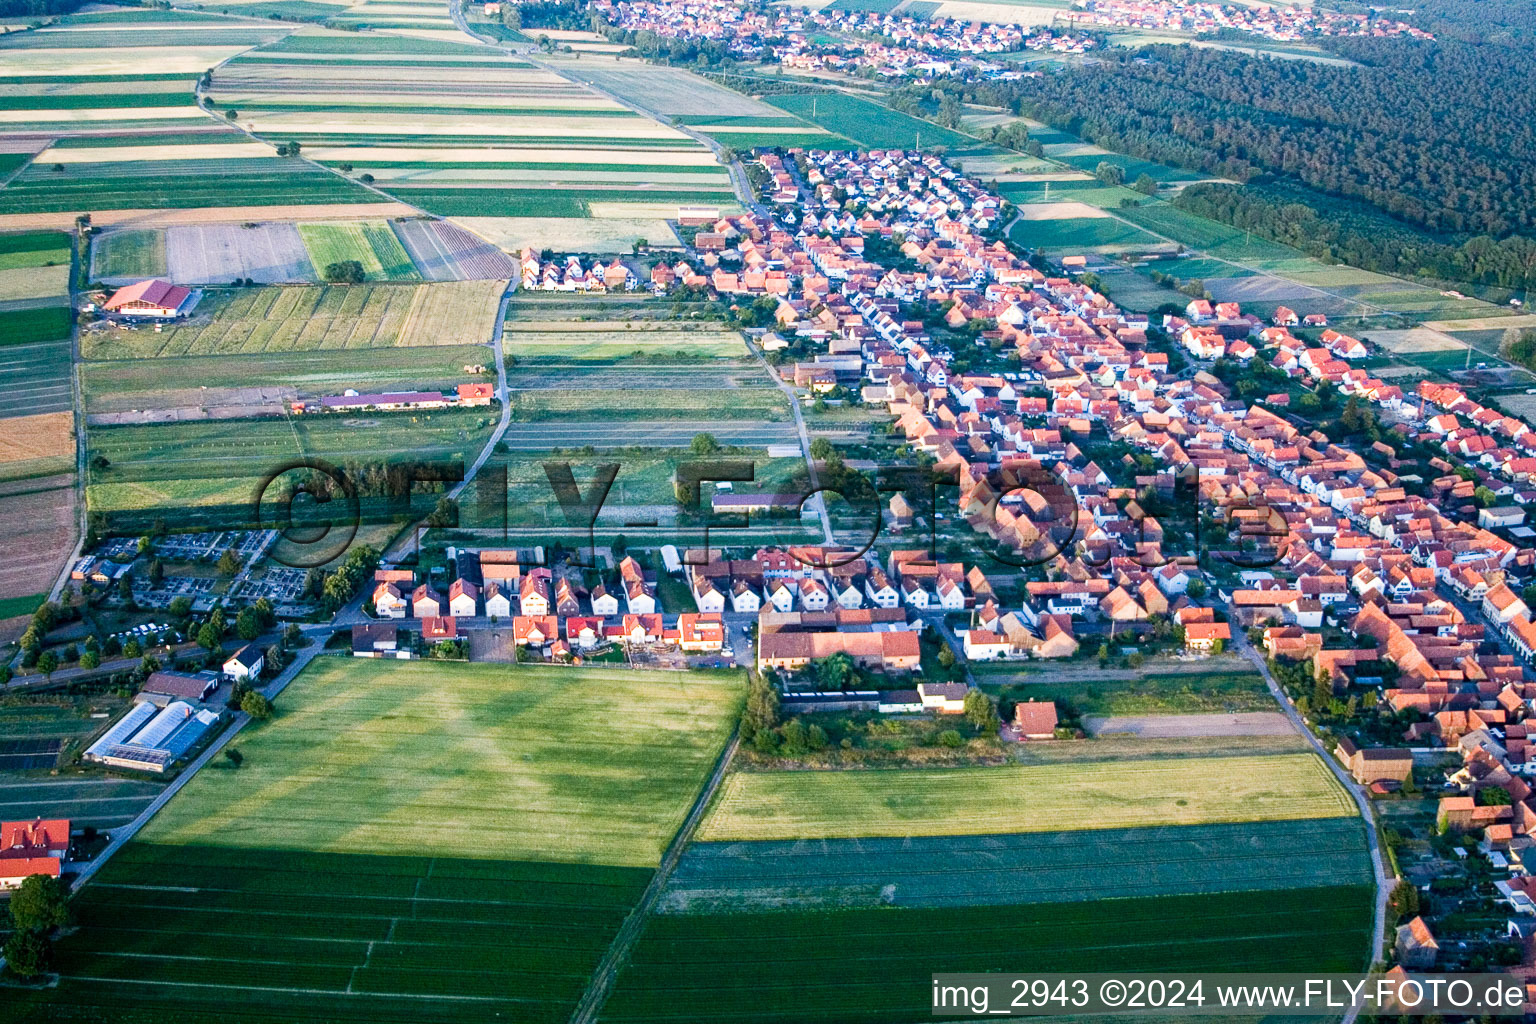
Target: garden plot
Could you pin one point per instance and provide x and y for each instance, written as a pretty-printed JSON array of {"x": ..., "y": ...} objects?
[
  {"x": 1043, "y": 867},
  {"x": 443, "y": 251},
  {"x": 271, "y": 253},
  {"x": 1416, "y": 340}
]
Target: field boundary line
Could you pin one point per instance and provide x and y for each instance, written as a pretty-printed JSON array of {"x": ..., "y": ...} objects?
[{"x": 606, "y": 972}]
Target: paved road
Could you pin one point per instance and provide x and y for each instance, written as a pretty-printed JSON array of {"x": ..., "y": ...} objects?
[
  {"x": 618, "y": 951},
  {"x": 1384, "y": 881},
  {"x": 407, "y": 538},
  {"x": 805, "y": 445}
]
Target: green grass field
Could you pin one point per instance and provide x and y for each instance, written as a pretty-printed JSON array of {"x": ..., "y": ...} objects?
[
  {"x": 868, "y": 123},
  {"x": 542, "y": 766},
  {"x": 1174, "y": 693},
  {"x": 1080, "y": 233},
  {"x": 864, "y": 966},
  {"x": 218, "y": 933},
  {"x": 10, "y": 607},
  {"x": 136, "y": 383},
  {"x": 370, "y": 243},
  {"x": 33, "y": 249},
  {"x": 25, "y": 326},
  {"x": 129, "y": 253},
  {"x": 978, "y": 801},
  {"x": 1023, "y": 868}
]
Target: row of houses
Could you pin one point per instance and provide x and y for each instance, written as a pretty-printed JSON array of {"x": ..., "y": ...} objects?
[{"x": 493, "y": 583}]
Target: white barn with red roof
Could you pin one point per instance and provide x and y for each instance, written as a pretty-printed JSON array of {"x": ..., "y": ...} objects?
[{"x": 152, "y": 298}]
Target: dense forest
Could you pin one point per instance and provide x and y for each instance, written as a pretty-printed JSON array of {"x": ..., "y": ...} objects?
[
  {"x": 1357, "y": 234},
  {"x": 37, "y": 8},
  {"x": 1440, "y": 135}
]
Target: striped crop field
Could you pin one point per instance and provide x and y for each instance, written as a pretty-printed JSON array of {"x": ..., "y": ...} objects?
[
  {"x": 875, "y": 966},
  {"x": 127, "y": 132},
  {"x": 248, "y": 321},
  {"x": 1017, "y": 869},
  {"x": 978, "y": 801},
  {"x": 521, "y": 154},
  {"x": 371, "y": 243}
]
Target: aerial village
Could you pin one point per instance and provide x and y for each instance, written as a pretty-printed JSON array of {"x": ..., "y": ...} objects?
[{"x": 893, "y": 45}]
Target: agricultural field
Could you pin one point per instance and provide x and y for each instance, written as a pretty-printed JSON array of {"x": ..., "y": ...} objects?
[
  {"x": 391, "y": 893},
  {"x": 494, "y": 140},
  {"x": 1079, "y": 228},
  {"x": 38, "y": 445},
  {"x": 667, "y": 90},
  {"x": 37, "y": 531},
  {"x": 1018, "y": 869},
  {"x": 154, "y": 63},
  {"x": 446, "y": 252},
  {"x": 372, "y": 244},
  {"x": 978, "y": 801},
  {"x": 543, "y": 771},
  {"x": 868, "y": 123},
  {"x": 193, "y": 382},
  {"x": 874, "y": 966},
  {"x": 221, "y": 253},
  {"x": 298, "y": 319},
  {"x": 130, "y": 253},
  {"x": 203, "y": 463}
]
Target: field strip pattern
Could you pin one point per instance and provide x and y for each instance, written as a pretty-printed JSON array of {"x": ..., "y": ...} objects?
[{"x": 1043, "y": 867}]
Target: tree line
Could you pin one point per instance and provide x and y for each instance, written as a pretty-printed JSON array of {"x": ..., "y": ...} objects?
[{"x": 1355, "y": 233}]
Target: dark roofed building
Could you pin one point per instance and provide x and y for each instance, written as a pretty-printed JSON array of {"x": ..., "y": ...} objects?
[{"x": 161, "y": 688}]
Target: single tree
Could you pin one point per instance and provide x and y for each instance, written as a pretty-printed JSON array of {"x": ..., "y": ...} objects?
[
  {"x": 981, "y": 711},
  {"x": 38, "y": 904},
  {"x": 47, "y": 663},
  {"x": 28, "y": 954},
  {"x": 256, "y": 705},
  {"x": 229, "y": 563}
]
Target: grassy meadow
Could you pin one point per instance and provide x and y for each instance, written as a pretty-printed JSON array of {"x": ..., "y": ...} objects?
[
  {"x": 541, "y": 769},
  {"x": 977, "y": 801}
]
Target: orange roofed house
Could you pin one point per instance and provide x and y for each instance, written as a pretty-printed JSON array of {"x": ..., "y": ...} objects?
[
  {"x": 36, "y": 847},
  {"x": 157, "y": 299}
]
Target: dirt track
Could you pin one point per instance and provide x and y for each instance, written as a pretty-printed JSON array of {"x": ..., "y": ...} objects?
[{"x": 208, "y": 214}]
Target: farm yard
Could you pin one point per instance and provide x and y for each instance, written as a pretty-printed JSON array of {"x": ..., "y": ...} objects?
[
  {"x": 1019, "y": 869},
  {"x": 979, "y": 801},
  {"x": 874, "y": 966},
  {"x": 255, "y": 320},
  {"x": 33, "y": 733}
]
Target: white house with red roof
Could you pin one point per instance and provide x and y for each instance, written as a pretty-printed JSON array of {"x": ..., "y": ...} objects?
[
  {"x": 36, "y": 847},
  {"x": 153, "y": 298}
]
